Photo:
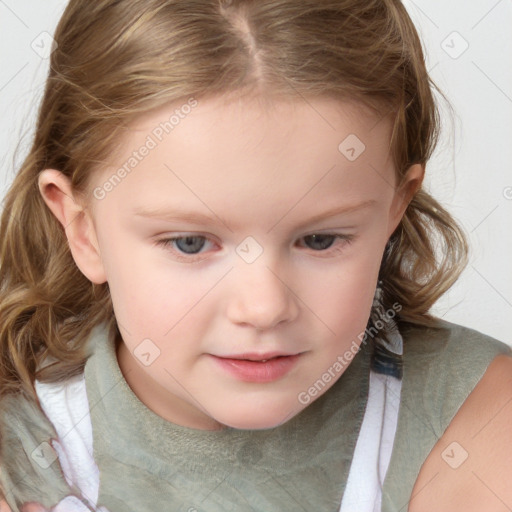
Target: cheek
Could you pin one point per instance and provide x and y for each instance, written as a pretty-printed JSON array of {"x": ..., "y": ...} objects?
[
  {"x": 345, "y": 305},
  {"x": 342, "y": 296},
  {"x": 156, "y": 295},
  {"x": 151, "y": 297}
]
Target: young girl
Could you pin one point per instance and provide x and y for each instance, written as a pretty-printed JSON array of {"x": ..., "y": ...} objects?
[{"x": 217, "y": 266}]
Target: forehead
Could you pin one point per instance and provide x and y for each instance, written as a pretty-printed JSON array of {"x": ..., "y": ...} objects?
[
  {"x": 236, "y": 121},
  {"x": 227, "y": 151},
  {"x": 254, "y": 113}
]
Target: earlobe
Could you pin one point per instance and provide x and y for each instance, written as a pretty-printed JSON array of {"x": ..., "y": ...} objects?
[
  {"x": 404, "y": 193},
  {"x": 57, "y": 193}
]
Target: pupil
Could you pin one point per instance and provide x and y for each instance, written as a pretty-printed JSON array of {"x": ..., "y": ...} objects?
[
  {"x": 190, "y": 247},
  {"x": 319, "y": 238},
  {"x": 193, "y": 244}
]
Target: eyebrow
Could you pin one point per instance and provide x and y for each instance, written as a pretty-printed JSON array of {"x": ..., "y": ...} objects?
[{"x": 202, "y": 219}]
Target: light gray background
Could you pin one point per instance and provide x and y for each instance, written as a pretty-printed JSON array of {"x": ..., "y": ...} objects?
[{"x": 471, "y": 171}]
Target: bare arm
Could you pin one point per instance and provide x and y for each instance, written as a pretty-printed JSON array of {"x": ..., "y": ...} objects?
[
  {"x": 4, "y": 507},
  {"x": 470, "y": 467}
]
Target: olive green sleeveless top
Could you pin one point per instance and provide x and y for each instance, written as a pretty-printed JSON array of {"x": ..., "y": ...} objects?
[
  {"x": 442, "y": 366},
  {"x": 148, "y": 463},
  {"x": 302, "y": 464}
]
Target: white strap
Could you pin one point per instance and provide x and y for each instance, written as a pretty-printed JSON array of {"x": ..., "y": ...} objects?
[
  {"x": 67, "y": 408},
  {"x": 363, "y": 492}
]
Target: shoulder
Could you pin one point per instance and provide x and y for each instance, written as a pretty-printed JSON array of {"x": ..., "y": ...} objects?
[
  {"x": 469, "y": 467},
  {"x": 442, "y": 364},
  {"x": 444, "y": 338},
  {"x": 4, "y": 507}
]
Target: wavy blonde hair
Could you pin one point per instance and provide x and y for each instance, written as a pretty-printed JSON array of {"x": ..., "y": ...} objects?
[{"x": 115, "y": 60}]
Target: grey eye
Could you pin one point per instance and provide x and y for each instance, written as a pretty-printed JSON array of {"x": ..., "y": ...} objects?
[
  {"x": 188, "y": 247},
  {"x": 323, "y": 241},
  {"x": 190, "y": 244}
]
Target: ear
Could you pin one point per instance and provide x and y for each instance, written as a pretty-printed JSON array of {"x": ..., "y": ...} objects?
[
  {"x": 56, "y": 190},
  {"x": 404, "y": 193}
]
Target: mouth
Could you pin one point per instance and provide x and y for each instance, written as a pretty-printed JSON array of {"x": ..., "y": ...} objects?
[
  {"x": 261, "y": 368},
  {"x": 259, "y": 358}
]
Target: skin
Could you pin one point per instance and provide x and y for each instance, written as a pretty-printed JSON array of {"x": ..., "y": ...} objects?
[
  {"x": 254, "y": 166},
  {"x": 264, "y": 168},
  {"x": 481, "y": 428}
]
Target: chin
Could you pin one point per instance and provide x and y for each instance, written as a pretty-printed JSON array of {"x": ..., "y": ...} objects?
[
  {"x": 253, "y": 424},
  {"x": 253, "y": 420}
]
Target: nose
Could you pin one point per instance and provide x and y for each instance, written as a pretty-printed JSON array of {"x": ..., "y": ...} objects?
[{"x": 261, "y": 297}]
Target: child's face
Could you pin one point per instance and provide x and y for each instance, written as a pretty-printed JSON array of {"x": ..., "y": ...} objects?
[{"x": 257, "y": 282}]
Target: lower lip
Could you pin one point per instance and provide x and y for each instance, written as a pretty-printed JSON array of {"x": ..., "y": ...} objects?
[{"x": 252, "y": 371}]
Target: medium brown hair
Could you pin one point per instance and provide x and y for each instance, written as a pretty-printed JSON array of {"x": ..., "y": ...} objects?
[{"x": 117, "y": 59}]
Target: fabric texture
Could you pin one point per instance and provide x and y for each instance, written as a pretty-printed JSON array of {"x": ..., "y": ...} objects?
[
  {"x": 67, "y": 408},
  {"x": 66, "y": 405},
  {"x": 374, "y": 446},
  {"x": 442, "y": 365},
  {"x": 148, "y": 463},
  {"x": 369, "y": 465},
  {"x": 140, "y": 461},
  {"x": 27, "y": 440}
]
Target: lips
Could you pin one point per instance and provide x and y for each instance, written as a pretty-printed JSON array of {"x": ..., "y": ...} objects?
[
  {"x": 252, "y": 356},
  {"x": 261, "y": 368}
]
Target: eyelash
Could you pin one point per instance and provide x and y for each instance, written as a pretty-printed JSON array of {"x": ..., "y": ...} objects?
[{"x": 345, "y": 239}]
